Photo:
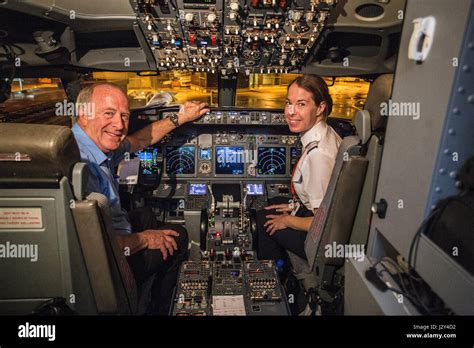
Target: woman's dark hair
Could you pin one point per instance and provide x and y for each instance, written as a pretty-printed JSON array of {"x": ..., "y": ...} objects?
[{"x": 316, "y": 85}]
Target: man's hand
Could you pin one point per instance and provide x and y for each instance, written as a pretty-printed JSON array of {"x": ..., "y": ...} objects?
[
  {"x": 191, "y": 111},
  {"x": 275, "y": 223},
  {"x": 161, "y": 239},
  {"x": 280, "y": 208}
]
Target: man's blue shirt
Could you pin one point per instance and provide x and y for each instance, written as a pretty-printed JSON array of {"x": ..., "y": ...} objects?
[{"x": 102, "y": 178}]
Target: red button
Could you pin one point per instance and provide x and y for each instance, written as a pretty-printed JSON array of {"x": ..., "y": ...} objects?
[
  {"x": 214, "y": 40},
  {"x": 191, "y": 39}
]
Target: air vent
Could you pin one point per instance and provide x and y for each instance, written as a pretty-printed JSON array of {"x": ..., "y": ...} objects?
[{"x": 369, "y": 12}]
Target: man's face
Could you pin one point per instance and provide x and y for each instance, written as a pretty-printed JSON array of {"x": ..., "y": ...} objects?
[
  {"x": 301, "y": 112},
  {"x": 109, "y": 125}
]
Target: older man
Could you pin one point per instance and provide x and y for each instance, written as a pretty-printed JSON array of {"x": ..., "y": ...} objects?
[{"x": 103, "y": 141}]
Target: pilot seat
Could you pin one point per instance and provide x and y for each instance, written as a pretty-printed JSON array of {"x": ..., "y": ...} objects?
[
  {"x": 344, "y": 215},
  {"x": 69, "y": 261}
]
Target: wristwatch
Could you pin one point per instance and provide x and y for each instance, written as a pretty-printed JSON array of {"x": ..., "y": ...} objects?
[{"x": 174, "y": 118}]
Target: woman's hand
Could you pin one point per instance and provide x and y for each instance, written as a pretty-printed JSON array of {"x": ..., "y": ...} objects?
[
  {"x": 276, "y": 222},
  {"x": 280, "y": 208}
]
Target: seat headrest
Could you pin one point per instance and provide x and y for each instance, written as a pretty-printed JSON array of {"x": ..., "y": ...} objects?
[
  {"x": 363, "y": 125},
  {"x": 37, "y": 151},
  {"x": 379, "y": 92}
]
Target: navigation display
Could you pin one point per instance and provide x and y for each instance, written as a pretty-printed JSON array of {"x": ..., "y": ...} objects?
[
  {"x": 180, "y": 160},
  {"x": 271, "y": 160},
  {"x": 230, "y": 160}
]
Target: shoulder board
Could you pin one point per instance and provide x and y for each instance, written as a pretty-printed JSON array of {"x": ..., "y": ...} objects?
[{"x": 311, "y": 146}]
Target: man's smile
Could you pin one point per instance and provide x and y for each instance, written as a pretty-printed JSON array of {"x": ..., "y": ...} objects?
[{"x": 115, "y": 136}]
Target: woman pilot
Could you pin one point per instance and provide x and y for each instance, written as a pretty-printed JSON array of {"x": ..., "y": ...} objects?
[{"x": 284, "y": 227}]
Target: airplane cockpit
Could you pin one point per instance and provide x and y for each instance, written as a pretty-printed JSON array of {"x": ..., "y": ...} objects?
[{"x": 378, "y": 242}]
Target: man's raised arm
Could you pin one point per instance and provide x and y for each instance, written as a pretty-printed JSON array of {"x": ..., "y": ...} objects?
[{"x": 152, "y": 133}]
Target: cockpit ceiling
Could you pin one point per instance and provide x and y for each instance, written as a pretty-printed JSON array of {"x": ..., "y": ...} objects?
[{"x": 358, "y": 37}]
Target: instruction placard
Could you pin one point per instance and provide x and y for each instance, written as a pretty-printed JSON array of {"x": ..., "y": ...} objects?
[{"x": 20, "y": 218}]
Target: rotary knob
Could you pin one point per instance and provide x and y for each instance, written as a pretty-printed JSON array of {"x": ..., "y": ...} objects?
[
  {"x": 189, "y": 17},
  {"x": 211, "y": 17},
  {"x": 234, "y": 6}
]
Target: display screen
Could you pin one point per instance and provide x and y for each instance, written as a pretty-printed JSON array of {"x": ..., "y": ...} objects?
[
  {"x": 295, "y": 152},
  {"x": 197, "y": 189},
  {"x": 230, "y": 160},
  {"x": 294, "y": 155},
  {"x": 271, "y": 161},
  {"x": 180, "y": 160},
  {"x": 148, "y": 161},
  {"x": 205, "y": 154},
  {"x": 254, "y": 189}
]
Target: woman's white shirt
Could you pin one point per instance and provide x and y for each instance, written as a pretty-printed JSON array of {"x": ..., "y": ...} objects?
[{"x": 313, "y": 172}]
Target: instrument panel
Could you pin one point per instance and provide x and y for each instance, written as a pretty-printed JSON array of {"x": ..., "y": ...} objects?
[
  {"x": 216, "y": 172},
  {"x": 205, "y": 287},
  {"x": 247, "y": 36},
  {"x": 250, "y": 148},
  {"x": 250, "y": 156},
  {"x": 260, "y": 145},
  {"x": 240, "y": 117}
]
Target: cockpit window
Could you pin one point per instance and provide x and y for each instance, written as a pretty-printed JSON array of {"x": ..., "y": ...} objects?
[
  {"x": 253, "y": 90},
  {"x": 183, "y": 86},
  {"x": 269, "y": 91},
  {"x": 34, "y": 100}
]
